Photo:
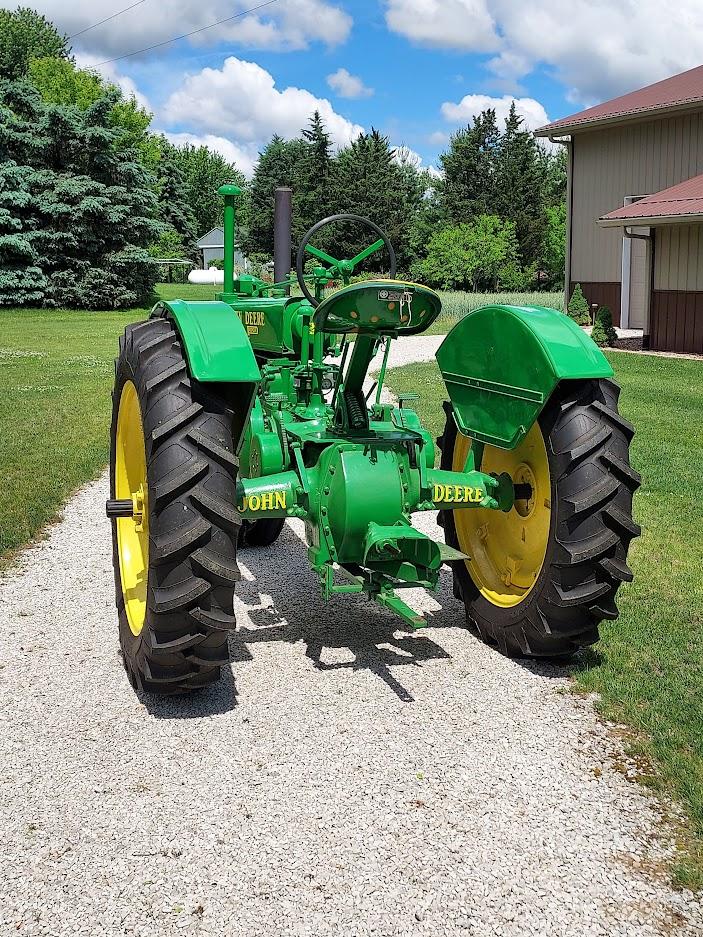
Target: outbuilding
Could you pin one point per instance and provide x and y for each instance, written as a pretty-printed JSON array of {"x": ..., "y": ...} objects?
[
  {"x": 212, "y": 247},
  {"x": 635, "y": 208}
]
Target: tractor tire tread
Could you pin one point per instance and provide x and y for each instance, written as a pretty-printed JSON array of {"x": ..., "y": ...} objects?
[
  {"x": 586, "y": 562},
  {"x": 193, "y": 520}
]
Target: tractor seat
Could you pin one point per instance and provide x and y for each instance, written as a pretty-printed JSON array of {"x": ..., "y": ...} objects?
[{"x": 387, "y": 307}]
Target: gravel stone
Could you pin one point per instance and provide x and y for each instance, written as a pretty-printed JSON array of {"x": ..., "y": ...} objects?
[{"x": 351, "y": 778}]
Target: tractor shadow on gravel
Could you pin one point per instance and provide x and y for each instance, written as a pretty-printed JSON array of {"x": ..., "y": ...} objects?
[
  {"x": 282, "y": 602},
  {"x": 278, "y": 599}
]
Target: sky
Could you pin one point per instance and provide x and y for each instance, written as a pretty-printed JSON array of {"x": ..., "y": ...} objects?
[{"x": 416, "y": 70}]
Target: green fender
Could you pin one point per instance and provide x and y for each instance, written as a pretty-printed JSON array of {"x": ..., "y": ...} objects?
[
  {"x": 501, "y": 364},
  {"x": 216, "y": 343},
  {"x": 218, "y": 349}
]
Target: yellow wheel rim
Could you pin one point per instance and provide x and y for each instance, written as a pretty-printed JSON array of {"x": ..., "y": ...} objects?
[
  {"x": 132, "y": 532},
  {"x": 506, "y": 550}
]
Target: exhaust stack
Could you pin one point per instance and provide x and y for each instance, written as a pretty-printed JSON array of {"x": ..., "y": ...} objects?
[{"x": 282, "y": 223}]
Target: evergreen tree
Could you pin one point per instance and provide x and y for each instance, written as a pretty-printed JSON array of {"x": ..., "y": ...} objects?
[
  {"x": 25, "y": 35},
  {"x": 518, "y": 186},
  {"x": 312, "y": 178},
  {"x": 174, "y": 207},
  {"x": 92, "y": 210},
  {"x": 276, "y": 166},
  {"x": 603, "y": 332},
  {"x": 467, "y": 188},
  {"x": 369, "y": 181},
  {"x": 21, "y": 279},
  {"x": 204, "y": 171},
  {"x": 578, "y": 308}
]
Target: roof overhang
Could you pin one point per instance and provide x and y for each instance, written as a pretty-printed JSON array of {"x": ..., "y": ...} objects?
[
  {"x": 650, "y": 221},
  {"x": 616, "y": 120}
]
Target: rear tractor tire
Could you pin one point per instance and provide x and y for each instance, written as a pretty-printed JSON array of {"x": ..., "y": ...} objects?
[
  {"x": 541, "y": 577},
  {"x": 175, "y": 562}
]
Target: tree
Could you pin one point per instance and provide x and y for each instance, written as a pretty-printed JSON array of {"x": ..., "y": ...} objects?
[
  {"x": 554, "y": 243},
  {"x": 518, "y": 186},
  {"x": 603, "y": 332},
  {"x": 313, "y": 194},
  {"x": 92, "y": 211},
  {"x": 59, "y": 81},
  {"x": 370, "y": 181},
  {"x": 174, "y": 205},
  {"x": 276, "y": 166},
  {"x": 554, "y": 174},
  {"x": 467, "y": 188},
  {"x": 578, "y": 308},
  {"x": 204, "y": 171},
  {"x": 473, "y": 255},
  {"x": 21, "y": 279},
  {"x": 24, "y": 35}
]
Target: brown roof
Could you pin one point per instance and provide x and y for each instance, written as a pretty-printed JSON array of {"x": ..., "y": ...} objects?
[
  {"x": 680, "y": 203},
  {"x": 679, "y": 91}
]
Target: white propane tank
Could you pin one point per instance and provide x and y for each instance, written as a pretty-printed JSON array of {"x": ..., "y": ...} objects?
[{"x": 212, "y": 276}]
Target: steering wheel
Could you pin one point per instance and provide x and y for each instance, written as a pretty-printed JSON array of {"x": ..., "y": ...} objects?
[{"x": 344, "y": 268}]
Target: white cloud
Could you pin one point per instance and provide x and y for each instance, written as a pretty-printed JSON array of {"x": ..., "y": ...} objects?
[
  {"x": 347, "y": 85},
  {"x": 243, "y": 157},
  {"x": 110, "y": 73},
  {"x": 597, "y": 48},
  {"x": 292, "y": 24},
  {"x": 438, "y": 138},
  {"x": 532, "y": 112},
  {"x": 240, "y": 100},
  {"x": 447, "y": 24}
]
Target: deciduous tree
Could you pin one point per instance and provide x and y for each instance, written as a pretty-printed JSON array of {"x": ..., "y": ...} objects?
[{"x": 25, "y": 35}]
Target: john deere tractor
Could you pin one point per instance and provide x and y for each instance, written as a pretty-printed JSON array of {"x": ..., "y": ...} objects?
[{"x": 232, "y": 415}]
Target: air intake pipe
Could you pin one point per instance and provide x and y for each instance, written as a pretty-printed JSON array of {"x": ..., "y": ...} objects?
[{"x": 229, "y": 193}]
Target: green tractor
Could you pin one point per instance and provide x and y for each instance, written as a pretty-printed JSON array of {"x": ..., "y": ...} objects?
[{"x": 232, "y": 415}]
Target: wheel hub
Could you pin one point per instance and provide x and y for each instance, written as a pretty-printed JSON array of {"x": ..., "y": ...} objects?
[
  {"x": 132, "y": 525},
  {"x": 507, "y": 550}
]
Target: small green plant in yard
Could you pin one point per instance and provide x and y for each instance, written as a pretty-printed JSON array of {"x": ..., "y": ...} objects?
[
  {"x": 603, "y": 332},
  {"x": 648, "y": 666},
  {"x": 578, "y": 308}
]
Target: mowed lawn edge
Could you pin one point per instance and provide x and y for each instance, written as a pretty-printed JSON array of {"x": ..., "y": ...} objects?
[
  {"x": 647, "y": 668},
  {"x": 56, "y": 374}
]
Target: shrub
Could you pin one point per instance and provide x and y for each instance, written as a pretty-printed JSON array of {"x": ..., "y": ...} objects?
[
  {"x": 603, "y": 332},
  {"x": 578, "y": 307}
]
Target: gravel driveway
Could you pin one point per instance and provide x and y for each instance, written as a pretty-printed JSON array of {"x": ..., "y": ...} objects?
[{"x": 355, "y": 779}]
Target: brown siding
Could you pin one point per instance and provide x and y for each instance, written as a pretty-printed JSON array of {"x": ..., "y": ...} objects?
[
  {"x": 634, "y": 159},
  {"x": 604, "y": 294},
  {"x": 677, "y": 321}
]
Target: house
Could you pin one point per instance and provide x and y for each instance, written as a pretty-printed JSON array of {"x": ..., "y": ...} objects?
[
  {"x": 212, "y": 246},
  {"x": 635, "y": 208}
]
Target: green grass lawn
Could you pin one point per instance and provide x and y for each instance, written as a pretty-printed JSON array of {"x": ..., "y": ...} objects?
[
  {"x": 56, "y": 371},
  {"x": 56, "y": 375},
  {"x": 648, "y": 666}
]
